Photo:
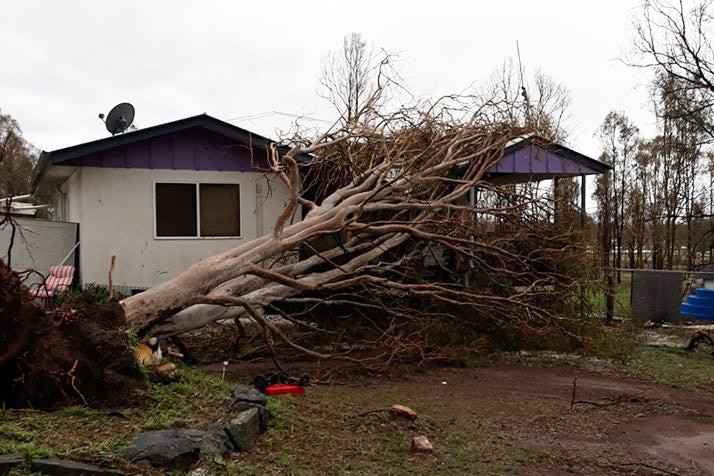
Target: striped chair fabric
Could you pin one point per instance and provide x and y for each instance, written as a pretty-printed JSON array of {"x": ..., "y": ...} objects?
[{"x": 58, "y": 281}]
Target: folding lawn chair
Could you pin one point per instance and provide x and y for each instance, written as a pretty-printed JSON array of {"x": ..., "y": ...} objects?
[{"x": 57, "y": 282}]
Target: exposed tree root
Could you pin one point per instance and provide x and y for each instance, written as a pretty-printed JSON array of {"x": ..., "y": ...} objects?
[{"x": 76, "y": 355}]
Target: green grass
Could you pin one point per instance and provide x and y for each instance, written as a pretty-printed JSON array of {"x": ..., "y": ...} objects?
[
  {"x": 16, "y": 438},
  {"x": 190, "y": 400},
  {"x": 86, "y": 434},
  {"x": 622, "y": 293},
  {"x": 674, "y": 366},
  {"x": 630, "y": 357}
]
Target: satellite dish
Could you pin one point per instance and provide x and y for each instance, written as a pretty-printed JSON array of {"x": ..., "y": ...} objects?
[{"x": 120, "y": 118}]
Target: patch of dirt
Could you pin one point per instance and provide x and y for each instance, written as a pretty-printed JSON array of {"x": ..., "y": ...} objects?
[
  {"x": 78, "y": 354},
  {"x": 616, "y": 425},
  {"x": 652, "y": 423}
]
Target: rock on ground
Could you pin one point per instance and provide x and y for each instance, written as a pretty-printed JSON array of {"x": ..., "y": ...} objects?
[
  {"x": 177, "y": 448},
  {"x": 7, "y": 462},
  {"x": 243, "y": 393},
  {"x": 263, "y": 413},
  {"x": 243, "y": 431},
  {"x": 420, "y": 444},
  {"x": 60, "y": 467}
]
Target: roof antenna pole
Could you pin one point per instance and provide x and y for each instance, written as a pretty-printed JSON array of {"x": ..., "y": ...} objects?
[{"x": 524, "y": 92}]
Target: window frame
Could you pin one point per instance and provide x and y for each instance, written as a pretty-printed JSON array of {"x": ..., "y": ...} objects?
[{"x": 197, "y": 189}]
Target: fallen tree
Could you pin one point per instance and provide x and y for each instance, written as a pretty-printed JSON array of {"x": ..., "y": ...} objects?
[{"x": 390, "y": 227}]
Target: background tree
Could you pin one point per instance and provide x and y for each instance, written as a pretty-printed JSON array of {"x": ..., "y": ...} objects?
[
  {"x": 17, "y": 158},
  {"x": 619, "y": 140},
  {"x": 537, "y": 103},
  {"x": 540, "y": 105},
  {"x": 673, "y": 39},
  {"x": 348, "y": 76}
]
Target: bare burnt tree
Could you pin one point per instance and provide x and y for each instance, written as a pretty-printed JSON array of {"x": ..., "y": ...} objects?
[
  {"x": 348, "y": 76},
  {"x": 674, "y": 38},
  {"x": 618, "y": 137},
  {"x": 535, "y": 102},
  {"x": 539, "y": 104}
]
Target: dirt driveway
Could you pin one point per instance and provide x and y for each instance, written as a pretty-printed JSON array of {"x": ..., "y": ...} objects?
[
  {"x": 499, "y": 419},
  {"x": 614, "y": 422}
]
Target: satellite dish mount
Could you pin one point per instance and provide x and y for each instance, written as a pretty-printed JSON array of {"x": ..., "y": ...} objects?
[{"x": 119, "y": 118}]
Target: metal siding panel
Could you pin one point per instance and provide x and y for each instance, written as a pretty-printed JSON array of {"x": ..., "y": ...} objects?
[
  {"x": 184, "y": 147},
  {"x": 193, "y": 149},
  {"x": 94, "y": 160},
  {"x": 206, "y": 157},
  {"x": 538, "y": 160},
  {"x": 162, "y": 153},
  {"x": 115, "y": 158},
  {"x": 138, "y": 155}
]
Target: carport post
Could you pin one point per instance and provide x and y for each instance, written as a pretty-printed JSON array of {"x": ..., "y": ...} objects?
[{"x": 583, "y": 214}]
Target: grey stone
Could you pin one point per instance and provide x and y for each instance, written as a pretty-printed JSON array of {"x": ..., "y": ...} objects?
[
  {"x": 421, "y": 444},
  {"x": 177, "y": 448},
  {"x": 7, "y": 462},
  {"x": 202, "y": 471},
  {"x": 263, "y": 413},
  {"x": 216, "y": 442},
  {"x": 243, "y": 430},
  {"x": 70, "y": 468},
  {"x": 243, "y": 393}
]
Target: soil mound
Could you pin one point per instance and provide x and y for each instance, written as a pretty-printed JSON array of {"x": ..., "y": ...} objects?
[{"x": 78, "y": 354}]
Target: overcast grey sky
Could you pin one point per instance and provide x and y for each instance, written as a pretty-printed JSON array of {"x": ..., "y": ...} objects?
[{"x": 64, "y": 62}]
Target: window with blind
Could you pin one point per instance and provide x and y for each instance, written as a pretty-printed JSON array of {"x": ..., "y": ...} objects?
[{"x": 197, "y": 210}]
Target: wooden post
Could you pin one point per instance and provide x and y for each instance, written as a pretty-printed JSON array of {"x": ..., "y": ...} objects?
[
  {"x": 583, "y": 213},
  {"x": 606, "y": 243},
  {"x": 582, "y": 229}
]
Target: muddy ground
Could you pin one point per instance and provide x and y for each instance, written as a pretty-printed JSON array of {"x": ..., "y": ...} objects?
[
  {"x": 507, "y": 414},
  {"x": 656, "y": 425},
  {"x": 506, "y": 418}
]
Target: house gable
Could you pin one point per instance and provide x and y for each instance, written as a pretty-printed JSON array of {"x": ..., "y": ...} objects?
[
  {"x": 190, "y": 149},
  {"x": 534, "y": 158},
  {"x": 196, "y": 143}
]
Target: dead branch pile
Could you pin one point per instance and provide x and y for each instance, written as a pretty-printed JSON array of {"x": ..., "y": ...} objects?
[
  {"x": 390, "y": 239},
  {"x": 78, "y": 354}
]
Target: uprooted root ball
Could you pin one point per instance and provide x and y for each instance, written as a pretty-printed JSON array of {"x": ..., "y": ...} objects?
[{"x": 76, "y": 355}]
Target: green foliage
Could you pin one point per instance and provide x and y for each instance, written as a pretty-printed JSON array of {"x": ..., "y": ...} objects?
[
  {"x": 134, "y": 342},
  {"x": 97, "y": 291}
]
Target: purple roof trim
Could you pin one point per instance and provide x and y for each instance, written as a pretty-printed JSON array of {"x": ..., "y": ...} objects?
[
  {"x": 190, "y": 149},
  {"x": 533, "y": 159}
]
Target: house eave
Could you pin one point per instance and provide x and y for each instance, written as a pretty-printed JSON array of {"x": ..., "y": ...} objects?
[{"x": 204, "y": 121}]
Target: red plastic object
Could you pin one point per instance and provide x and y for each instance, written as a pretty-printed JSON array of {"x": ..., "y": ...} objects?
[{"x": 285, "y": 389}]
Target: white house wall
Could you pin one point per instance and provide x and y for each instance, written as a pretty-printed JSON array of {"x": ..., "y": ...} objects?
[
  {"x": 68, "y": 192},
  {"x": 38, "y": 244},
  {"x": 116, "y": 214}
]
